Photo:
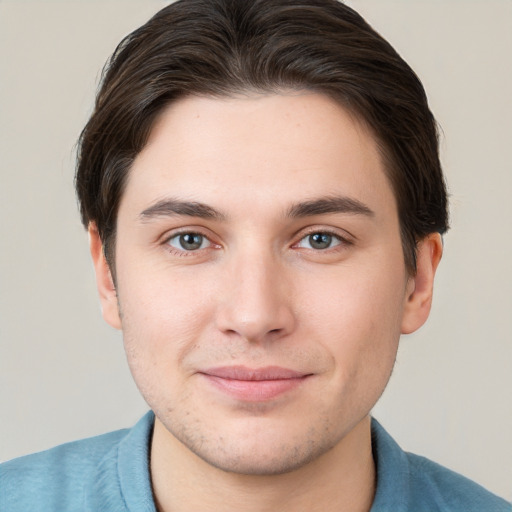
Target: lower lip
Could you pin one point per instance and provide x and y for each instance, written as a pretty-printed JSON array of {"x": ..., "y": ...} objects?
[{"x": 255, "y": 390}]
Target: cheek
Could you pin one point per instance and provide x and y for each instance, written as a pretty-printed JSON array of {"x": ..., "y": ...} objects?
[
  {"x": 357, "y": 304},
  {"x": 161, "y": 321},
  {"x": 357, "y": 319}
]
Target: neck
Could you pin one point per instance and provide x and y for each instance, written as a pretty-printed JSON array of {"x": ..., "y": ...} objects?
[{"x": 341, "y": 479}]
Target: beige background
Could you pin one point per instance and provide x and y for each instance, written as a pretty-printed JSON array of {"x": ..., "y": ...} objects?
[{"x": 62, "y": 370}]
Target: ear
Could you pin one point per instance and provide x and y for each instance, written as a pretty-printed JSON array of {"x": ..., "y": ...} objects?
[
  {"x": 418, "y": 300},
  {"x": 104, "y": 281}
]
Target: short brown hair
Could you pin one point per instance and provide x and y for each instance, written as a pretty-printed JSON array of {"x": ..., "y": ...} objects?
[{"x": 223, "y": 47}]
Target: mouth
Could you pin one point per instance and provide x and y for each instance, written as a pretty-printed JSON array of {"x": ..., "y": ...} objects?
[{"x": 254, "y": 384}]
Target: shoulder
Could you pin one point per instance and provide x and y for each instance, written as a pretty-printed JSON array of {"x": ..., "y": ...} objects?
[
  {"x": 451, "y": 491},
  {"x": 410, "y": 482},
  {"x": 54, "y": 479}
]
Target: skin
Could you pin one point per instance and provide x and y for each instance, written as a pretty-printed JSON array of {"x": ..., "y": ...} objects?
[{"x": 258, "y": 292}]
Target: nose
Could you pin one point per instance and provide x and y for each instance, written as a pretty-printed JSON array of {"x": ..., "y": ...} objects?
[{"x": 256, "y": 299}]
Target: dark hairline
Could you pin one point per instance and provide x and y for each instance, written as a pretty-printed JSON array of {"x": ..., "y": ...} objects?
[{"x": 109, "y": 241}]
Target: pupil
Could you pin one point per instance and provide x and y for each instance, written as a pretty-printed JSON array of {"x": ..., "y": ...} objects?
[
  {"x": 320, "y": 240},
  {"x": 191, "y": 241}
]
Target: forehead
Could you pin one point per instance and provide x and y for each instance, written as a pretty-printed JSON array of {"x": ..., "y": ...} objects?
[{"x": 267, "y": 149}]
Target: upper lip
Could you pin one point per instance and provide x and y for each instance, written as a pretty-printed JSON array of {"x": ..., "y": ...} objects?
[{"x": 253, "y": 374}]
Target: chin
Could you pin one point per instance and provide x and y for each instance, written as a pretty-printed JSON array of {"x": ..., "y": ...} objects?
[
  {"x": 260, "y": 451},
  {"x": 262, "y": 463}
]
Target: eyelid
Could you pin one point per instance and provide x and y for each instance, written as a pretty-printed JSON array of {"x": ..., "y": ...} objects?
[
  {"x": 342, "y": 235},
  {"x": 337, "y": 241},
  {"x": 177, "y": 235},
  {"x": 182, "y": 230},
  {"x": 196, "y": 230}
]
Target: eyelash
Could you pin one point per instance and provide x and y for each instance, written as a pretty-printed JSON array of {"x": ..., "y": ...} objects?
[
  {"x": 342, "y": 242},
  {"x": 183, "y": 252}
]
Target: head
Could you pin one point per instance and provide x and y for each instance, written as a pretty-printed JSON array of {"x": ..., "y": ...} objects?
[
  {"x": 221, "y": 48},
  {"x": 262, "y": 181}
]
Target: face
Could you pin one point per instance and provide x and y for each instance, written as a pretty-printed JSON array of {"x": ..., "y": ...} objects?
[{"x": 260, "y": 278}]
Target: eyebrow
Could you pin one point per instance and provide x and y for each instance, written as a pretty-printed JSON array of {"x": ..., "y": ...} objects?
[
  {"x": 325, "y": 205},
  {"x": 172, "y": 207},
  {"x": 337, "y": 204}
]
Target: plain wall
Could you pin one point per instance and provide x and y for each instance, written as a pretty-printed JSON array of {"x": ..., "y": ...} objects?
[{"x": 62, "y": 370}]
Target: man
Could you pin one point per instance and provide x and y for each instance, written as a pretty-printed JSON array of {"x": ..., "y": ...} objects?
[{"x": 262, "y": 190}]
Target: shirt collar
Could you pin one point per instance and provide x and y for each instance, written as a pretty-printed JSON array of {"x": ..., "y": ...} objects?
[
  {"x": 392, "y": 469},
  {"x": 122, "y": 479}
]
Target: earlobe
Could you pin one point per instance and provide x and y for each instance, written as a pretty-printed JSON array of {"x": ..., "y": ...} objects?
[
  {"x": 104, "y": 281},
  {"x": 418, "y": 299}
]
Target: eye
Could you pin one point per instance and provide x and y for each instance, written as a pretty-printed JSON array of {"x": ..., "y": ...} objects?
[
  {"x": 319, "y": 241},
  {"x": 189, "y": 241}
]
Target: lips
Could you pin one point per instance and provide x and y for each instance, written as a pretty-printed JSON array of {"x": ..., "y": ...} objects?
[{"x": 254, "y": 384}]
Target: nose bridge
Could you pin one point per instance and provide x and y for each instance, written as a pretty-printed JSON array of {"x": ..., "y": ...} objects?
[{"x": 257, "y": 299}]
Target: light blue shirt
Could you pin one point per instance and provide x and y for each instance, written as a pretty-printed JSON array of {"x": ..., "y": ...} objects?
[{"x": 110, "y": 473}]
